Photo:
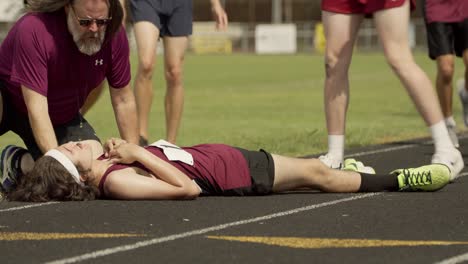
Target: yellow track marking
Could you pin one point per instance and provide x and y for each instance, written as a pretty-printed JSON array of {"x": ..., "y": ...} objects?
[
  {"x": 14, "y": 236},
  {"x": 301, "y": 242}
]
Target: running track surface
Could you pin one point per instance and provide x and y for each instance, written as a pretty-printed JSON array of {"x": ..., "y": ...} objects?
[{"x": 304, "y": 227}]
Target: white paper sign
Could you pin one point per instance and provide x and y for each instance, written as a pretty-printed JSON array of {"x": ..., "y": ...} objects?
[
  {"x": 173, "y": 152},
  {"x": 275, "y": 38}
]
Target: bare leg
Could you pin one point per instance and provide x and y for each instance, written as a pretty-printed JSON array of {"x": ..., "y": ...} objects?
[
  {"x": 146, "y": 35},
  {"x": 340, "y": 32},
  {"x": 92, "y": 98},
  {"x": 294, "y": 173},
  {"x": 462, "y": 87},
  {"x": 174, "y": 52},
  {"x": 392, "y": 27},
  {"x": 465, "y": 61},
  {"x": 124, "y": 7},
  {"x": 445, "y": 71}
]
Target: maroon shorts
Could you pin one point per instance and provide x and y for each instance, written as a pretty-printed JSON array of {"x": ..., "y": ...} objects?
[{"x": 365, "y": 7}]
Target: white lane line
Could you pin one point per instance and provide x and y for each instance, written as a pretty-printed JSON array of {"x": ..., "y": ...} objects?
[
  {"x": 389, "y": 149},
  {"x": 145, "y": 243},
  {"x": 455, "y": 260},
  {"x": 365, "y": 153},
  {"x": 26, "y": 207}
]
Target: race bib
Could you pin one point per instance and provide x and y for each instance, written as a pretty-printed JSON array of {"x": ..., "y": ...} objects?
[{"x": 173, "y": 152}]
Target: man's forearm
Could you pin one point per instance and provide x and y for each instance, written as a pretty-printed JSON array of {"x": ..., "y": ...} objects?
[
  {"x": 43, "y": 132},
  {"x": 39, "y": 119}
]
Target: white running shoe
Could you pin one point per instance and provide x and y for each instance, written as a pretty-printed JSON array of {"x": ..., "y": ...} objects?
[
  {"x": 452, "y": 131},
  {"x": 462, "y": 93},
  {"x": 331, "y": 161},
  {"x": 452, "y": 159}
]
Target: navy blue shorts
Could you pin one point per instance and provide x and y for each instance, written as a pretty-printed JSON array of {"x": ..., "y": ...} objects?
[
  {"x": 447, "y": 38},
  {"x": 74, "y": 130},
  {"x": 173, "y": 18}
]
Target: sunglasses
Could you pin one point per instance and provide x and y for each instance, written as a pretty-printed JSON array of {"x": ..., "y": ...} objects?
[{"x": 86, "y": 22}]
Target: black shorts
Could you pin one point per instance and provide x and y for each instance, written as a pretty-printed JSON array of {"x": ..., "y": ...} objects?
[
  {"x": 262, "y": 172},
  {"x": 173, "y": 18},
  {"x": 447, "y": 38},
  {"x": 74, "y": 130}
]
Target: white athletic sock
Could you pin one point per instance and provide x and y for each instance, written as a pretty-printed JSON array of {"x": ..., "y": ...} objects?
[
  {"x": 336, "y": 146},
  {"x": 441, "y": 137},
  {"x": 449, "y": 121}
]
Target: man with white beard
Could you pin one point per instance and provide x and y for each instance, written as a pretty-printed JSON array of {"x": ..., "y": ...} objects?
[{"x": 50, "y": 61}]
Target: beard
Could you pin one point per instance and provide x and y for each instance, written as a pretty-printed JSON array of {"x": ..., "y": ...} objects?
[{"x": 88, "y": 43}]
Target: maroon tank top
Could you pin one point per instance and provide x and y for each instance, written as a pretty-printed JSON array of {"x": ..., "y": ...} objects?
[{"x": 217, "y": 168}]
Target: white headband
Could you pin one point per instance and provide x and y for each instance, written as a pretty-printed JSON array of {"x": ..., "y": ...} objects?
[{"x": 66, "y": 162}]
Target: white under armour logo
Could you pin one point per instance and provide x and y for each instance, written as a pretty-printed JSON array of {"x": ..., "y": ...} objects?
[{"x": 99, "y": 62}]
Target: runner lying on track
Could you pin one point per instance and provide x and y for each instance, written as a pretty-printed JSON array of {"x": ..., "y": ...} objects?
[{"x": 85, "y": 170}]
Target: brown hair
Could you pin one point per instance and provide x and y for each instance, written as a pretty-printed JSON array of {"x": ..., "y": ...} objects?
[
  {"x": 46, "y": 6},
  {"x": 50, "y": 181}
]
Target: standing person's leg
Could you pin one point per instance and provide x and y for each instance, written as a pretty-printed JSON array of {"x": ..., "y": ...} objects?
[
  {"x": 392, "y": 27},
  {"x": 465, "y": 61},
  {"x": 293, "y": 174},
  {"x": 93, "y": 97},
  {"x": 445, "y": 72},
  {"x": 440, "y": 40},
  {"x": 461, "y": 49},
  {"x": 146, "y": 36},
  {"x": 178, "y": 26},
  {"x": 340, "y": 34},
  {"x": 174, "y": 53}
]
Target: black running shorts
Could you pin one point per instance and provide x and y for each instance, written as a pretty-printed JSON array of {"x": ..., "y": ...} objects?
[
  {"x": 262, "y": 172},
  {"x": 447, "y": 38},
  {"x": 173, "y": 18}
]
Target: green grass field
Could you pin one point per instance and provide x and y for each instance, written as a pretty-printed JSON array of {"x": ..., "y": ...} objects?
[{"x": 276, "y": 103}]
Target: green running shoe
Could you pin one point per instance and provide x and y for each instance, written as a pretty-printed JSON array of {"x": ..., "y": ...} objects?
[
  {"x": 357, "y": 166},
  {"x": 425, "y": 178}
]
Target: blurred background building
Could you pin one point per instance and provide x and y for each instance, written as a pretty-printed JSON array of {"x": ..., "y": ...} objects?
[
  {"x": 261, "y": 26},
  {"x": 246, "y": 15}
]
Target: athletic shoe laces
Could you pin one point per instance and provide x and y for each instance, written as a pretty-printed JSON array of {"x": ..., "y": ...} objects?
[{"x": 417, "y": 178}]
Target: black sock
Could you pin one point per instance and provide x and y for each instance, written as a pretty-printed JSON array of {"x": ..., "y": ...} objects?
[{"x": 378, "y": 183}]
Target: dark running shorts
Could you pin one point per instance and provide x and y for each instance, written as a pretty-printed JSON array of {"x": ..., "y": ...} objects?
[
  {"x": 173, "y": 18},
  {"x": 76, "y": 129},
  {"x": 447, "y": 38},
  {"x": 262, "y": 172}
]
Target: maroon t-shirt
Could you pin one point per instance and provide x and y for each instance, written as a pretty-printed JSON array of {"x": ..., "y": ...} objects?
[
  {"x": 39, "y": 53},
  {"x": 217, "y": 168},
  {"x": 446, "y": 10}
]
